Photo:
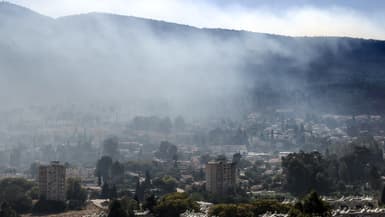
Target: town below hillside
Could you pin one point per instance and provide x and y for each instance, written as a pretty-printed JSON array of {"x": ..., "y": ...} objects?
[{"x": 274, "y": 162}]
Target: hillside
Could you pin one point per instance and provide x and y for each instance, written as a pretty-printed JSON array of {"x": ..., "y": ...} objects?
[{"x": 155, "y": 66}]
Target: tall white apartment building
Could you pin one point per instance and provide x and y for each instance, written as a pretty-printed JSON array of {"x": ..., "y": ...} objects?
[{"x": 52, "y": 181}]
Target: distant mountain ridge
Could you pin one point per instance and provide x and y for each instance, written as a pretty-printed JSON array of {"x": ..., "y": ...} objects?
[{"x": 113, "y": 58}]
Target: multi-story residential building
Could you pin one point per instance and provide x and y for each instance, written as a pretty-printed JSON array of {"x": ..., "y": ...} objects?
[
  {"x": 221, "y": 177},
  {"x": 52, "y": 181}
]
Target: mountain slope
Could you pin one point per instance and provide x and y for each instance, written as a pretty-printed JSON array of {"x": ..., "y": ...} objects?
[{"x": 170, "y": 68}]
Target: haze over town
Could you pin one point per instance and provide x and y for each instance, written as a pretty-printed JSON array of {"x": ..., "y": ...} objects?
[{"x": 192, "y": 108}]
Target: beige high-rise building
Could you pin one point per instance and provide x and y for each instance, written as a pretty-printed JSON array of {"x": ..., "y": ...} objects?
[
  {"x": 221, "y": 176},
  {"x": 52, "y": 181}
]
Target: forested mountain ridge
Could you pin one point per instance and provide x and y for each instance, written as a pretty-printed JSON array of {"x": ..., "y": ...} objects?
[{"x": 167, "y": 67}]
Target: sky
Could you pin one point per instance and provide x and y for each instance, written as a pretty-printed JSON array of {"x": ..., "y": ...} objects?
[{"x": 351, "y": 18}]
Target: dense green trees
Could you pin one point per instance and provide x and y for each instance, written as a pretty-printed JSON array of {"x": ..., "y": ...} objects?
[
  {"x": 254, "y": 209},
  {"x": 167, "y": 183},
  {"x": 172, "y": 205},
  {"x": 129, "y": 205},
  {"x": 304, "y": 172},
  {"x": 310, "y": 205},
  {"x": 150, "y": 203},
  {"x": 76, "y": 195},
  {"x": 108, "y": 171},
  {"x": 116, "y": 210},
  {"x": 263, "y": 206},
  {"x": 123, "y": 208},
  {"x": 7, "y": 211},
  {"x": 15, "y": 191},
  {"x": 33, "y": 193},
  {"x": 232, "y": 210},
  {"x": 361, "y": 163}
]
